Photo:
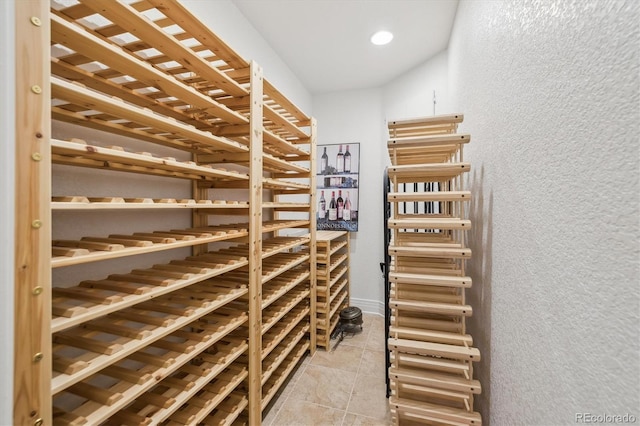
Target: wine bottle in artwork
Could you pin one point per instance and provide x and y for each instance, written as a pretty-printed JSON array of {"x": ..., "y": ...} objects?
[
  {"x": 347, "y": 161},
  {"x": 340, "y": 161},
  {"x": 324, "y": 162},
  {"x": 333, "y": 208},
  {"x": 340, "y": 203},
  {"x": 346, "y": 211},
  {"x": 322, "y": 208}
]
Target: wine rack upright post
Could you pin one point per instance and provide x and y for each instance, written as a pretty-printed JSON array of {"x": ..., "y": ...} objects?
[
  {"x": 255, "y": 242},
  {"x": 32, "y": 285}
]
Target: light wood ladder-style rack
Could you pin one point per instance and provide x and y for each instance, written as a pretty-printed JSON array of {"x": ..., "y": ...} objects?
[
  {"x": 207, "y": 335},
  {"x": 431, "y": 354}
]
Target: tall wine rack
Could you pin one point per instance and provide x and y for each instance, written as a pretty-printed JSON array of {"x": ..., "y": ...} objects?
[
  {"x": 431, "y": 354},
  {"x": 142, "y": 93}
]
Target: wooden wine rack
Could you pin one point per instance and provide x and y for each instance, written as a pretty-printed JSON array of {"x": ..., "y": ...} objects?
[
  {"x": 203, "y": 338},
  {"x": 431, "y": 354},
  {"x": 332, "y": 293}
]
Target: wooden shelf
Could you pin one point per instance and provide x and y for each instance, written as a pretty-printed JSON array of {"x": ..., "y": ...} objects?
[
  {"x": 431, "y": 335},
  {"x": 273, "y": 144},
  {"x": 326, "y": 275},
  {"x": 335, "y": 277},
  {"x": 435, "y": 349},
  {"x": 78, "y": 153},
  {"x": 425, "y": 125},
  {"x": 336, "y": 263},
  {"x": 130, "y": 20},
  {"x": 340, "y": 284},
  {"x": 285, "y": 206},
  {"x": 443, "y": 196},
  {"x": 89, "y": 44},
  {"x": 228, "y": 411},
  {"x": 279, "y": 286},
  {"x": 280, "y": 375},
  {"x": 270, "y": 163},
  {"x": 326, "y": 237},
  {"x": 332, "y": 315},
  {"x": 419, "y": 293},
  {"x": 436, "y": 172},
  {"x": 277, "y": 225},
  {"x": 438, "y": 252},
  {"x": 434, "y": 308},
  {"x": 72, "y": 307},
  {"x": 430, "y": 223},
  {"x": 338, "y": 297},
  {"x": 187, "y": 385},
  {"x": 269, "y": 183},
  {"x": 426, "y": 149},
  {"x": 284, "y": 305},
  {"x": 337, "y": 246},
  {"x": 292, "y": 323},
  {"x": 78, "y": 97},
  {"x": 322, "y": 325},
  {"x": 95, "y": 350},
  {"x": 449, "y": 366},
  {"x": 219, "y": 397},
  {"x": 428, "y": 413},
  {"x": 212, "y": 355},
  {"x": 69, "y": 252},
  {"x": 423, "y": 322},
  {"x": 79, "y": 202},
  {"x": 280, "y": 264},
  {"x": 428, "y": 141},
  {"x": 428, "y": 265},
  {"x": 280, "y": 354},
  {"x": 432, "y": 280}
]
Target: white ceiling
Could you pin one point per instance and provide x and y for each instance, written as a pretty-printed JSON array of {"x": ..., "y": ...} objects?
[{"x": 326, "y": 42}]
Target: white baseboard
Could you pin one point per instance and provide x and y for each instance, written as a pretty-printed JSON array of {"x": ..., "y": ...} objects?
[{"x": 369, "y": 306}]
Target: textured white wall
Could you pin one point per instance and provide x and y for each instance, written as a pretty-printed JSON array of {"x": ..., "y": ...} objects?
[
  {"x": 7, "y": 192},
  {"x": 356, "y": 116},
  {"x": 549, "y": 90},
  {"x": 411, "y": 95}
]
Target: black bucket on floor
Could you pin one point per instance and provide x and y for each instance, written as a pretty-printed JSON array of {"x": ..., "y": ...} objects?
[
  {"x": 351, "y": 319},
  {"x": 350, "y": 322}
]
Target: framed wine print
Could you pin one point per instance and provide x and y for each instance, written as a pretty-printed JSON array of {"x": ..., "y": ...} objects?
[{"x": 337, "y": 184}]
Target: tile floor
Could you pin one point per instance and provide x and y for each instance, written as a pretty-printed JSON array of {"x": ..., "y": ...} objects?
[{"x": 343, "y": 387}]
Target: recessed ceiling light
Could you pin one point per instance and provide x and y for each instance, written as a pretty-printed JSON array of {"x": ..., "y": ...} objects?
[{"x": 381, "y": 37}]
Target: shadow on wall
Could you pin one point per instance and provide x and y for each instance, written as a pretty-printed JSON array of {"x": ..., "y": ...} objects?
[{"x": 479, "y": 295}]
